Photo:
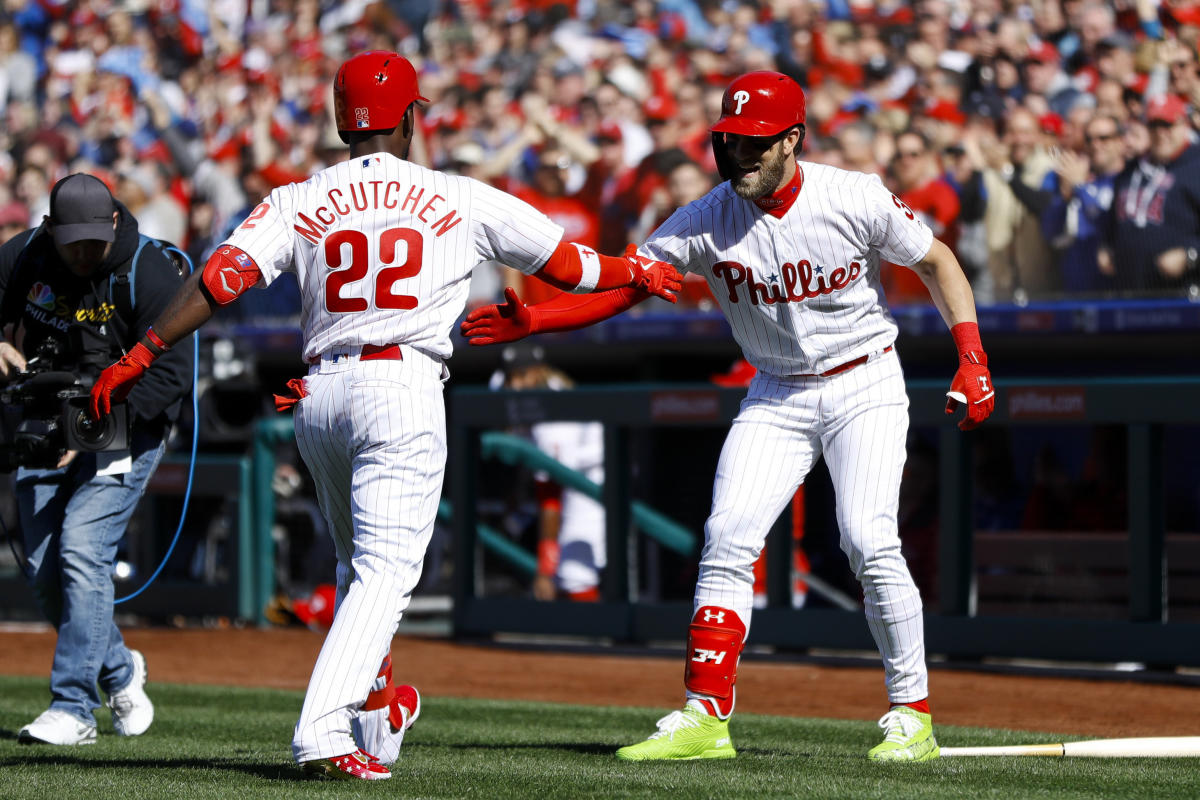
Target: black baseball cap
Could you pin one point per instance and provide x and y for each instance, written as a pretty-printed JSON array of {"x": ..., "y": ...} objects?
[{"x": 81, "y": 207}]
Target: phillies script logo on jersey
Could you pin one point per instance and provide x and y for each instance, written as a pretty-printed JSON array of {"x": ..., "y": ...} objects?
[{"x": 799, "y": 281}]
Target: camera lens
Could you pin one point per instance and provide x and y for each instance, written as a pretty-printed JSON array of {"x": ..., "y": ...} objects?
[{"x": 92, "y": 434}]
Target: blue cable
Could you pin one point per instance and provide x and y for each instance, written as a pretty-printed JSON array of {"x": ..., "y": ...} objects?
[{"x": 187, "y": 492}]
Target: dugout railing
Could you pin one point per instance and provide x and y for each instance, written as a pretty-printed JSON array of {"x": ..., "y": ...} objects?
[{"x": 1144, "y": 406}]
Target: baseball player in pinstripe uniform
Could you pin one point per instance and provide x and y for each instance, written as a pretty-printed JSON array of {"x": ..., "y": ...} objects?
[
  {"x": 791, "y": 251},
  {"x": 383, "y": 251}
]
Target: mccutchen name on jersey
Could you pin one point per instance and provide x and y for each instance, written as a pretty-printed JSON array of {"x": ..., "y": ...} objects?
[{"x": 365, "y": 195}]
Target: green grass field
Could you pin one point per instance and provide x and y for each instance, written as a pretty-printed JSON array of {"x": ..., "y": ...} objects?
[{"x": 232, "y": 744}]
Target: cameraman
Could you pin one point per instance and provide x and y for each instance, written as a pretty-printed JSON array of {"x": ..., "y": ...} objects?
[{"x": 57, "y": 295}]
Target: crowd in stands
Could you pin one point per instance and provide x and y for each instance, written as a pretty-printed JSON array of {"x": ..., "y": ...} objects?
[{"x": 1051, "y": 143}]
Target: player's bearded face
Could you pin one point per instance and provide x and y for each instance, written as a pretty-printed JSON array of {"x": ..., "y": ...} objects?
[{"x": 760, "y": 163}]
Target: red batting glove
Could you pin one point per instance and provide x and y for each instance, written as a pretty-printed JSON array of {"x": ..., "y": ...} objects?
[
  {"x": 656, "y": 278},
  {"x": 972, "y": 384},
  {"x": 115, "y": 383},
  {"x": 496, "y": 324}
]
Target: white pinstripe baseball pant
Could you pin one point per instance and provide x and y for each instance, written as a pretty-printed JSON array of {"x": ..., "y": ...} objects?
[
  {"x": 859, "y": 420},
  {"x": 373, "y": 434}
]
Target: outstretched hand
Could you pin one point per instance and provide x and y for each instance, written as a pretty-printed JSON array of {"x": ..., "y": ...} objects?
[
  {"x": 656, "y": 278},
  {"x": 496, "y": 324},
  {"x": 115, "y": 382}
]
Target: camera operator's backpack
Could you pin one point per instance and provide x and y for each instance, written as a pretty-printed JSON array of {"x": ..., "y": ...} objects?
[{"x": 121, "y": 281}]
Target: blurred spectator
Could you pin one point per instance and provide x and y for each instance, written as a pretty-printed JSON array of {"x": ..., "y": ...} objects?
[
  {"x": 693, "y": 120},
  {"x": 549, "y": 193},
  {"x": 1154, "y": 227},
  {"x": 33, "y": 189},
  {"x": 18, "y": 70},
  {"x": 1016, "y": 165},
  {"x": 143, "y": 190},
  {"x": 855, "y": 148},
  {"x": 637, "y": 191},
  {"x": 1080, "y": 190},
  {"x": 686, "y": 181},
  {"x": 14, "y": 218},
  {"x": 1181, "y": 62},
  {"x": 1044, "y": 77},
  {"x": 967, "y": 181},
  {"x": 920, "y": 184},
  {"x": 606, "y": 176},
  {"x": 232, "y": 98}
]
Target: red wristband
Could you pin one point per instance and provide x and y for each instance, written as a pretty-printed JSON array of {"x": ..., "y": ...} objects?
[
  {"x": 156, "y": 340},
  {"x": 547, "y": 557},
  {"x": 966, "y": 339}
]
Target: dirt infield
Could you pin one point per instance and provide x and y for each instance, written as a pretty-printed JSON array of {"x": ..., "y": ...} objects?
[{"x": 283, "y": 658}]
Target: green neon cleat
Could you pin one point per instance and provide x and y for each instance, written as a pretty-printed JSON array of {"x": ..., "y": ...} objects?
[
  {"x": 683, "y": 736},
  {"x": 908, "y": 736}
]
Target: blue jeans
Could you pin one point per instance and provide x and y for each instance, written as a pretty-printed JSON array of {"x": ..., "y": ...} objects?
[{"x": 72, "y": 522}]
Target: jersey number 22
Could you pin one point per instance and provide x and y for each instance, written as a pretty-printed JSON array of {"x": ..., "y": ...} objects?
[{"x": 360, "y": 263}]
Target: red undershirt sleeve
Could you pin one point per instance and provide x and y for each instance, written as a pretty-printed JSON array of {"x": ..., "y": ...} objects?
[{"x": 567, "y": 312}]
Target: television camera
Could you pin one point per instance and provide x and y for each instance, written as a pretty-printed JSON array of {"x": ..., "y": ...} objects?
[{"x": 45, "y": 414}]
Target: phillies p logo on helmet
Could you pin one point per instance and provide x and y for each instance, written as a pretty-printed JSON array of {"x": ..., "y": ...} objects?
[{"x": 761, "y": 103}]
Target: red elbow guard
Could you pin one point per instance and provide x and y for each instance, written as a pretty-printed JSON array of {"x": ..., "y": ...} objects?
[
  {"x": 228, "y": 273},
  {"x": 715, "y": 640}
]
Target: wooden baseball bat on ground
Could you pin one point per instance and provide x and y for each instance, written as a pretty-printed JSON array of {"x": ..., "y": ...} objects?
[{"x": 1149, "y": 747}]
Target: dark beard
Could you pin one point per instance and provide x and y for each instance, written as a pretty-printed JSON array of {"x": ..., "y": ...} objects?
[{"x": 764, "y": 183}]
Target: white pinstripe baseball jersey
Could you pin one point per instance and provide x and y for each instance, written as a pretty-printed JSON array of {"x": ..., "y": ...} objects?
[
  {"x": 801, "y": 292},
  {"x": 383, "y": 249}
]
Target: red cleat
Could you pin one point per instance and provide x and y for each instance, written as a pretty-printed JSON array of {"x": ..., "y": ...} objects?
[
  {"x": 354, "y": 765},
  {"x": 408, "y": 700}
]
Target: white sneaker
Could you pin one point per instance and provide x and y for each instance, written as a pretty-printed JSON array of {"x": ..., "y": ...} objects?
[
  {"x": 57, "y": 727},
  {"x": 132, "y": 711}
]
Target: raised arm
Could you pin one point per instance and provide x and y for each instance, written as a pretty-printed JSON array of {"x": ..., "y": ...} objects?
[{"x": 228, "y": 273}]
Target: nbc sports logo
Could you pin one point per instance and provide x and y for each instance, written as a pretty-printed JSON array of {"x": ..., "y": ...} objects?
[{"x": 41, "y": 296}]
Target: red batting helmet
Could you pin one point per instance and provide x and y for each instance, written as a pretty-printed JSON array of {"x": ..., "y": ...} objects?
[
  {"x": 372, "y": 92},
  {"x": 761, "y": 104}
]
